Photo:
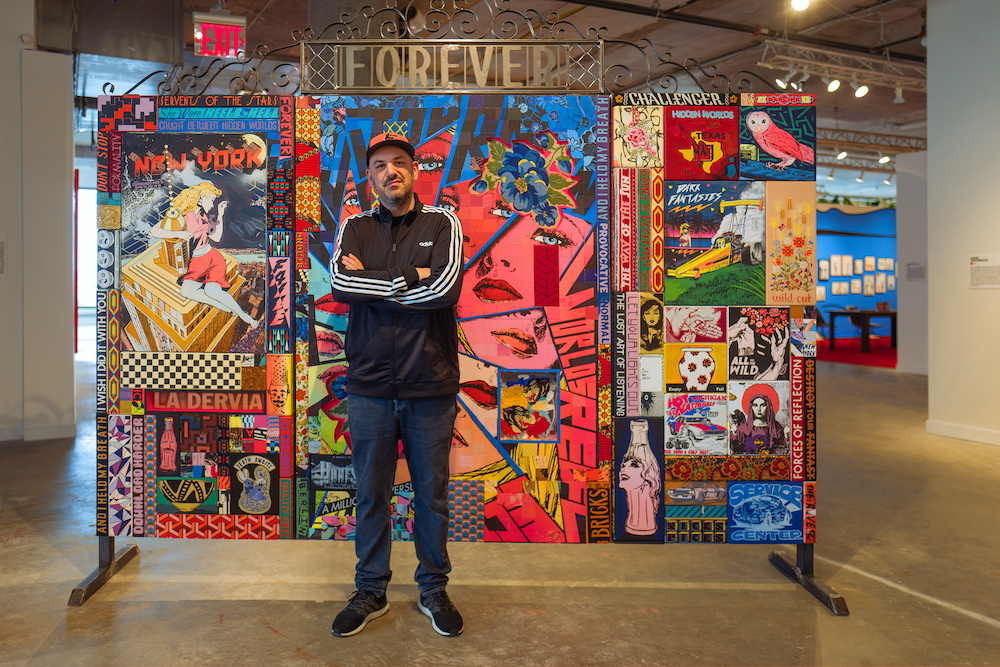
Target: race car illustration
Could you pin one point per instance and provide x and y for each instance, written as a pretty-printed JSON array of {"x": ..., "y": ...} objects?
[
  {"x": 697, "y": 493},
  {"x": 692, "y": 431},
  {"x": 733, "y": 243}
]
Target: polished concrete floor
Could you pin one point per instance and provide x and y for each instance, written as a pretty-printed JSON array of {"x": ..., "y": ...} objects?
[{"x": 908, "y": 535}]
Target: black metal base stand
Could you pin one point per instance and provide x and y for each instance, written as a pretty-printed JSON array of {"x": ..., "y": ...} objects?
[
  {"x": 801, "y": 572},
  {"x": 109, "y": 562}
]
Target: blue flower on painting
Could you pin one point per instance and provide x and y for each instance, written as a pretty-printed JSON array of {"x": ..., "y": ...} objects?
[
  {"x": 546, "y": 215},
  {"x": 524, "y": 183},
  {"x": 339, "y": 386},
  {"x": 480, "y": 186}
]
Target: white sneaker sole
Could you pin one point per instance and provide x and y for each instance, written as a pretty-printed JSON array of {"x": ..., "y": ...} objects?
[
  {"x": 369, "y": 617},
  {"x": 428, "y": 614}
]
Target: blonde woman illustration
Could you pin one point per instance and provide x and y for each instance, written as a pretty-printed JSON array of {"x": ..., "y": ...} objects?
[
  {"x": 640, "y": 476},
  {"x": 205, "y": 279}
]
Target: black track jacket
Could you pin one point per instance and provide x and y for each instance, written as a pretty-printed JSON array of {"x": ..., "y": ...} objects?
[{"x": 402, "y": 340}]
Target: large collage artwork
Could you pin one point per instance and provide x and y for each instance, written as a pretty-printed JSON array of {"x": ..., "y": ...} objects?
[
  {"x": 637, "y": 352},
  {"x": 711, "y": 320},
  {"x": 195, "y": 375},
  {"x": 520, "y": 173}
]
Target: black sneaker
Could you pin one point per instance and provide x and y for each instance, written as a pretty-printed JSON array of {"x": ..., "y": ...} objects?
[
  {"x": 444, "y": 617},
  {"x": 362, "y": 607}
]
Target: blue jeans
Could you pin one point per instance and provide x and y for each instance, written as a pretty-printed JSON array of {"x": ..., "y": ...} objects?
[{"x": 425, "y": 427}]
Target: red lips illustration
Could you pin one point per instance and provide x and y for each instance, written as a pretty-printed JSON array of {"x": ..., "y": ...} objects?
[
  {"x": 495, "y": 291},
  {"x": 329, "y": 343},
  {"x": 327, "y": 304},
  {"x": 520, "y": 344},
  {"x": 482, "y": 393}
]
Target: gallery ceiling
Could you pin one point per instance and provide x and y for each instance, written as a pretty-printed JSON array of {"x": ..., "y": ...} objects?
[{"x": 880, "y": 42}]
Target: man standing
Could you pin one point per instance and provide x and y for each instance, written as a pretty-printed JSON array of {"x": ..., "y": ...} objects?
[{"x": 399, "y": 266}]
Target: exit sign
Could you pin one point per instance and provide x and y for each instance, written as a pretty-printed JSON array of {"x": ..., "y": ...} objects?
[{"x": 219, "y": 34}]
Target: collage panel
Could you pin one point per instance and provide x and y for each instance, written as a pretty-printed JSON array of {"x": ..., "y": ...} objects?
[
  {"x": 791, "y": 232},
  {"x": 766, "y": 512},
  {"x": 701, "y": 143},
  {"x": 639, "y": 480},
  {"x": 716, "y": 243},
  {"x": 759, "y": 342},
  {"x": 759, "y": 418},
  {"x": 697, "y": 424},
  {"x": 194, "y": 217},
  {"x": 778, "y": 137},
  {"x": 706, "y": 362},
  {"x": 527, "y": 253},
  {"x": 694, "y": 367}
]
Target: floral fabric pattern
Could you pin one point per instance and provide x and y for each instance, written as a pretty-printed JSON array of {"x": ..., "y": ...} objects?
[
  {"x": 726, "y": 468},
  {"x": 638, "y": 136}
]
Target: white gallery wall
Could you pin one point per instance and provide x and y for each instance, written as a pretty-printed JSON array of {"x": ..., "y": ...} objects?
[
  {"x": 37, "y": 386},
  {"x": 911, "y": 262},
  {"x": 47, "y": 245},
  {"x": 963, "y": 218},
  {"x": 19, "y": 18}
]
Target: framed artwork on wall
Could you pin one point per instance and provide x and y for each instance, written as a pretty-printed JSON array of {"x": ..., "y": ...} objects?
[
  {"x": 870, "y": 263},
  {"x": 824, "y": 269},
  {"x": 880, "y": 283},
  {"x": 847, "y": 266},
  {"x": 859, "y": 266}
]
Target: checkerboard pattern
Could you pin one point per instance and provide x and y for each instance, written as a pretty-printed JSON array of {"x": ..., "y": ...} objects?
[{"x": 193, "y": 371}]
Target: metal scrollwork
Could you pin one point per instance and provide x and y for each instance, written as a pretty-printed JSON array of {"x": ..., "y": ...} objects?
[{"x": 279, "y": 71}]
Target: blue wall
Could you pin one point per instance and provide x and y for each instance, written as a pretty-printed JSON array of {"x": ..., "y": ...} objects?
[{"x": 858, "y": 235}]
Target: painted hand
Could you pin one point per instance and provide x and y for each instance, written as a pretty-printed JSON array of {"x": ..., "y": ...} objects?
[{"x": 778, "y": 345}]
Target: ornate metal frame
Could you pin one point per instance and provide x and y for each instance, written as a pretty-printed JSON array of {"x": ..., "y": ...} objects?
[{"x": 264, "y": 70}]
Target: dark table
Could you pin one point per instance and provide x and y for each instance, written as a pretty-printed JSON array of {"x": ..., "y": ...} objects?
[{"x": 864, "y": 321}]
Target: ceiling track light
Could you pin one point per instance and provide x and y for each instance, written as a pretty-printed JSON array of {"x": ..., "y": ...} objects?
[
  {"x": 882, "y": 159},
  {"x": 899, "y": 96},
  {"x": 841, "y": 155},
  {"x": 888, "y": 181},
  {"x": 859, "y": 91},
  {"x": 830, "y": 177},
  {"x": 787, "y": 80},
  {"x": 800, "y": 5},
  {"x": 831, "y": 84},
  {"x": 861, "y": 177}
]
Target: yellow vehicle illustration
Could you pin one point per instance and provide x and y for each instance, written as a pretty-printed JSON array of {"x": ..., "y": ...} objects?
[{"x": 736, "y": 241}]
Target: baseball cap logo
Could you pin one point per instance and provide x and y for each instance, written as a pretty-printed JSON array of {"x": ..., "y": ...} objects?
[{"x": 390, "y": 139}]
